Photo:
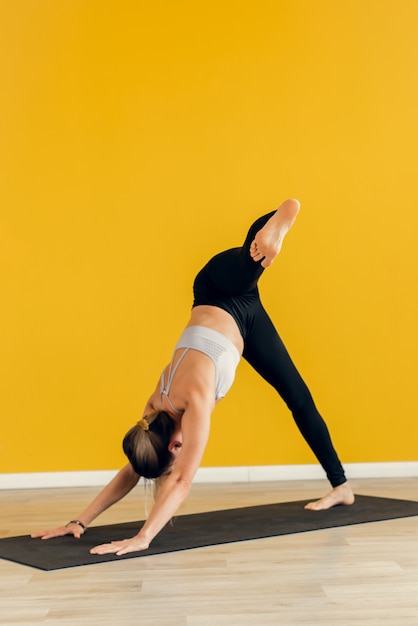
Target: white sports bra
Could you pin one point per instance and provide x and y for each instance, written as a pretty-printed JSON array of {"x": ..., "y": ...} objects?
[{"x": 219, "y": 348}]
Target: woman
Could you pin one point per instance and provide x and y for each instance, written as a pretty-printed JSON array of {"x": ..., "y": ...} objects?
[{"x": 227, "y": 321}]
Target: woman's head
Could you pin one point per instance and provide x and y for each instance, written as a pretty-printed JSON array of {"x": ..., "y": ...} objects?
[{"x": 147, "y": 445}]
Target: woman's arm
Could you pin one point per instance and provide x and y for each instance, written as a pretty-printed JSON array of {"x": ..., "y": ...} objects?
[
  {"x": 195, "y": 427},
  {"x": 124, "y": 481}
]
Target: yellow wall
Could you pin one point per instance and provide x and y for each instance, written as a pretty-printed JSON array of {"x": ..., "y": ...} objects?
[{"x": 139, "y": 138}]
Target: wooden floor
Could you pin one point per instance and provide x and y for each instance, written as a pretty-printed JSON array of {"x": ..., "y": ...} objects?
[{"x": 362, "y": 575}]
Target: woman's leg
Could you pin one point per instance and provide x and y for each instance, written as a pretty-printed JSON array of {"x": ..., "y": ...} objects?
[
  {"x": 229, "y": 281},
  {"x": 266, "y": 353},
  {"x": 236, "y": 271},
  {"x": 233, "y": 272}
]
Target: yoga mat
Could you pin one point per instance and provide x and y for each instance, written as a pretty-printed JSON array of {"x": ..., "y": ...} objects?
[{"x": 202, "y": 529}]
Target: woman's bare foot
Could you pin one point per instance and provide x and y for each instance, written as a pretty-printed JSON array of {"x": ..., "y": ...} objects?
[
  {"x": 268, "y": 241},
  {"x": 339, "y": 495}
]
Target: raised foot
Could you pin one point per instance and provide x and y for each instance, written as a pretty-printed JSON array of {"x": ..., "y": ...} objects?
[
  {"x": 341, "y": 495},
  {"x": 268, "y": 241}
]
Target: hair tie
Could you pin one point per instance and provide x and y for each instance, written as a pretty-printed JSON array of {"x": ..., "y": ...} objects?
[{"x": 143, "y": 423}]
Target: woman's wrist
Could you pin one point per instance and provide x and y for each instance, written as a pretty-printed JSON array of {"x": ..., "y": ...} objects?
[
  {"x": 144, "y": 536},
  {"x": 77, "y": 521}
]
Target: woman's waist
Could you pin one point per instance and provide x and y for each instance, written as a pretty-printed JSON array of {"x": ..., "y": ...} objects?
[{"x": 216, "y": 324}]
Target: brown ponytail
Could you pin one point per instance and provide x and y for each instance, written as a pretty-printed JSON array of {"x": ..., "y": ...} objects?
[{"x": 147, "y": 448}]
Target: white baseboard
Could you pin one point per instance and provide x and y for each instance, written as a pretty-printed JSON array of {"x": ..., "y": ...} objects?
[{"x": 44, "y": 480}]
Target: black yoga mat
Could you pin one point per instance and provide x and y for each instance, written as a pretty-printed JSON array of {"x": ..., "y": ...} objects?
[{"x": 202, "y": 529}]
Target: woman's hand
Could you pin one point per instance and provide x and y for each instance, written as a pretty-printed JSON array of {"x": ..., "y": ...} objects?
[
  {"x": 135, "y": 544},
  {"x": 71, "y": 529}
]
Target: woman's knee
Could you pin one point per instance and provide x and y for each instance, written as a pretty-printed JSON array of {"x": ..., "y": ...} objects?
[{"x": 300, "y": 403}]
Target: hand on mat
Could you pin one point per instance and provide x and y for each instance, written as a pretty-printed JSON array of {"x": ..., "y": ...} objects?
[
  {"x": 61, "y": 531},
  {"x": 122, "y": 547}
]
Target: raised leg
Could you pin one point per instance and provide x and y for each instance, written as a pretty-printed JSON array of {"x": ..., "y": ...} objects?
[{"x": 236, "y": 271}]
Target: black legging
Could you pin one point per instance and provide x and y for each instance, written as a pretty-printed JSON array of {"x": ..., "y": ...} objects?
[{"x": 229, "y": 281}]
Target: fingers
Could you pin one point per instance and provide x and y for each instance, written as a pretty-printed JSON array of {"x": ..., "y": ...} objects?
[
  {"x": 121, "y": 547},
  {"x": 38, "y": 535},
  {"x": 57, "y": 532},
  {"x": 76, "y": 534},
  {"x": 45, "y": 534},
  {"x": 116, "y": 547},
  {"x": 106, "y": 548}
]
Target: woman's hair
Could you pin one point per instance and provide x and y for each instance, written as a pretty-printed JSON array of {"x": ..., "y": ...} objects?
[{"x": 146, "y": 445}]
